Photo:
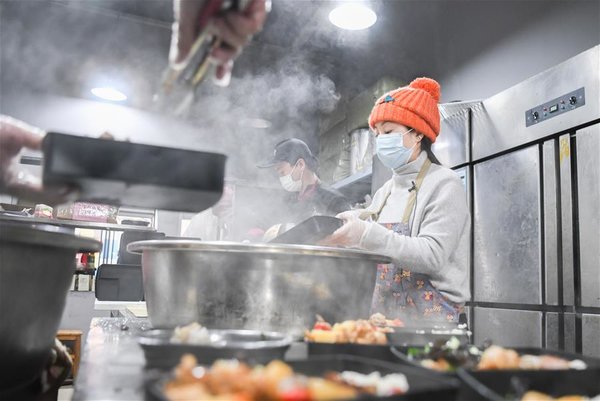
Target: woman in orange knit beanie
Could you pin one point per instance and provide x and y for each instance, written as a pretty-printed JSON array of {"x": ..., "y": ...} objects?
[{"x": 419, "y": 217}]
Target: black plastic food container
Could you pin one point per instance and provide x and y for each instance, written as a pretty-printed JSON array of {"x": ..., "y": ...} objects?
[
  {"x": 310, "y": 231},
  {"x": 423, "y": 386},
  {"x": 500, "y": 385}
]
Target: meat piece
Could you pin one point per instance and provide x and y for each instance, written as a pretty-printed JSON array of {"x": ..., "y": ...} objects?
[{"x": 496, "y": 357}]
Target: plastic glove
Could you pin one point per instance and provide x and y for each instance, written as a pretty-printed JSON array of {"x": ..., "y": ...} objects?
[
  {"x": 353, "y": 214},
  {"x": 14, "y": 136},
  {"x": 275, "y": 231},
  {"x": 235, "y": 29},
  {"x": 348, "y": 235}
]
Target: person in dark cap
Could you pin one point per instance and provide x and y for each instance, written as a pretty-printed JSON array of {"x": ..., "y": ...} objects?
[{"x": 297, "y": 169}]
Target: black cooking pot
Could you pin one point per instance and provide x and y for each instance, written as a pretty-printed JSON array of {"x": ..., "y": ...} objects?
[{"x": 37, "y": 263}]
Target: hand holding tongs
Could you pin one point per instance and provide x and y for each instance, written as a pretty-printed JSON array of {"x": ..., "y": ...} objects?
[{"x": 195, "y": 38}]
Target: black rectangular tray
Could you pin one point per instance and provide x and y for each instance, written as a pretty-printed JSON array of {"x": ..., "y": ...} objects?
[
  {"x": 131, "y": 174},
  {"x": 553, "y": 382},
  {"x": 591, "y": 362},
  {"x": 508, "y": 385},
  {"x": 402, "y": 339},
  {"x": 310, "y": 231},
  {"x": 379, "y": 352},
  {"x": 251, "y": 346},
  {"x": 497, "y": 385},
  {"x": 415, "y": 337},
  {"x": 422, "y": 386}
]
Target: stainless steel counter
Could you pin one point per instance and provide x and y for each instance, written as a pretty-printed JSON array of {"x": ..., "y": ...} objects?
[{"x": 112, "y": 365}]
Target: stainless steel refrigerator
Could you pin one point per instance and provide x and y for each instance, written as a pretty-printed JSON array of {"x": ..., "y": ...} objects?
[{"x": 535, "y": 163}]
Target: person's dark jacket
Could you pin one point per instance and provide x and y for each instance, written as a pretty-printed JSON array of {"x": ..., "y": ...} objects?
[{"x": 319, "y": 200}]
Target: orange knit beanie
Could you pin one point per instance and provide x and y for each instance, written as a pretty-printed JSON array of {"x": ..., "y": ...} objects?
[{"x": 415, "y": 106}]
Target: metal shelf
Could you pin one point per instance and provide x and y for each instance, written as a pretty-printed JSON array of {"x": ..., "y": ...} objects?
[
  {"x": 78, "y": 224},
  {"x": 356, "y": 186}
]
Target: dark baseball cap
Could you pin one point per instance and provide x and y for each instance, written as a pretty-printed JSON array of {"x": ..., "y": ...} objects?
[{"x": 290, "y": 150}]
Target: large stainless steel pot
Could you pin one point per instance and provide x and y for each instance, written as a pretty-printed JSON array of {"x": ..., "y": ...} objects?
[
  {"x": 267, "y": 287},
  {"x": 36, "y": 268}
]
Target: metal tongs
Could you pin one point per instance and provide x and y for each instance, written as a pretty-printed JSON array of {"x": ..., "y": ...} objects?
[{"x": 183, "y": 78}]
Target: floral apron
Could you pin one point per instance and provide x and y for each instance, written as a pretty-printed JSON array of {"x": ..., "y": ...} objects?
[{"x": 400, "y": 293}]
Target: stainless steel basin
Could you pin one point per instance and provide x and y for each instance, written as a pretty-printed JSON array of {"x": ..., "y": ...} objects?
[{"x": 264, "y": 287}]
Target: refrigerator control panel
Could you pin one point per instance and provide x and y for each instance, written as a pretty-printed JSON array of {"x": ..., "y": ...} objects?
[{"x": 555, "y": 107}]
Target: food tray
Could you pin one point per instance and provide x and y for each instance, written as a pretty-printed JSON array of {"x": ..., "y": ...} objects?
[
  {"x": 418, "y": 337},
  {"x": 131, "y": 174},
  {"x": 592, "y": 363},
  {"x": 310, "y": 231},
  {"x": 379, "y": 352},
  {"x": 249, "y": 345},
  {"x": 502, "y": 385},
  {"x": 402, "y": 339},
  {"x": 512, "y": 384},
  {"x": 422, "y": 386}
]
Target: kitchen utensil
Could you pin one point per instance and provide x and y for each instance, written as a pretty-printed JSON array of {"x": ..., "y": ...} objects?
[
  {"x": 37, "y": 263},
  {"x": 125, "y": 173},
  {"x": 310, "y": 231},
  {"x": 249, "y": 345},
  {"x": 254, "y": 286},
  {"x": 182, "y": 79}
]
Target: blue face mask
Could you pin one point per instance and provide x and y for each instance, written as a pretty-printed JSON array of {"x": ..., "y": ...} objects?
[{"x": 391, "y": 150}]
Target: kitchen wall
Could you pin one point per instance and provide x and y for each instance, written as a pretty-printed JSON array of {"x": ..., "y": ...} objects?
[
  {"x": 480, "y": 48},
  {"x": 489, "y": 46},
  {"x": 92, "y": 118}
]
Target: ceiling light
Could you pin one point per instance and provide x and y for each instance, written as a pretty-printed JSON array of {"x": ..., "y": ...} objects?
[
  {"x": 352, "y": 16},
  {"x": 107, "y": 93},
  {"x": 255, "y": 122}
]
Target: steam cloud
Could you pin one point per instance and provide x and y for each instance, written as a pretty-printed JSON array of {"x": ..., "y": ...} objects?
[
  {"x": 288, "y": 94},
  {"x": 55, "y": 47}
]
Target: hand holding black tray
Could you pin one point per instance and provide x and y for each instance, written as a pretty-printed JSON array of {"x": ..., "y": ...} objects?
[
  {"x": 125, "y": 173},
  {"x": 310, "y": 231}
]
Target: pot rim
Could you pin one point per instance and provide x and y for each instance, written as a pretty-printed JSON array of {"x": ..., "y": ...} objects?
[
  {"x": 269, "y": 249},
  {"x": 162, "y": 337},
  {"x": 45, "y": 235}
]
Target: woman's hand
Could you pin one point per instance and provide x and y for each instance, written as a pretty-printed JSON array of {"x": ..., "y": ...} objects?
[{"x": 350, "y": 234}]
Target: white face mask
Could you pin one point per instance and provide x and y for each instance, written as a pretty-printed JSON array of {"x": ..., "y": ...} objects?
[
  {"x": 288, "y": 183},
  {"x": 391, "y": 150}
]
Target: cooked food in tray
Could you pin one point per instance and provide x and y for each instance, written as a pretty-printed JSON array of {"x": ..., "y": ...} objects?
[
  {"x": 193, "y": 333},
  {"x": 537, "y": 396},
  {"x": 452, "y": 354},
  {"x": 360, "y": 331},
  {"x": 164, "y": 347},
  {"x": 495, "y": 357},
  {"x": 234, "y": 380}
]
